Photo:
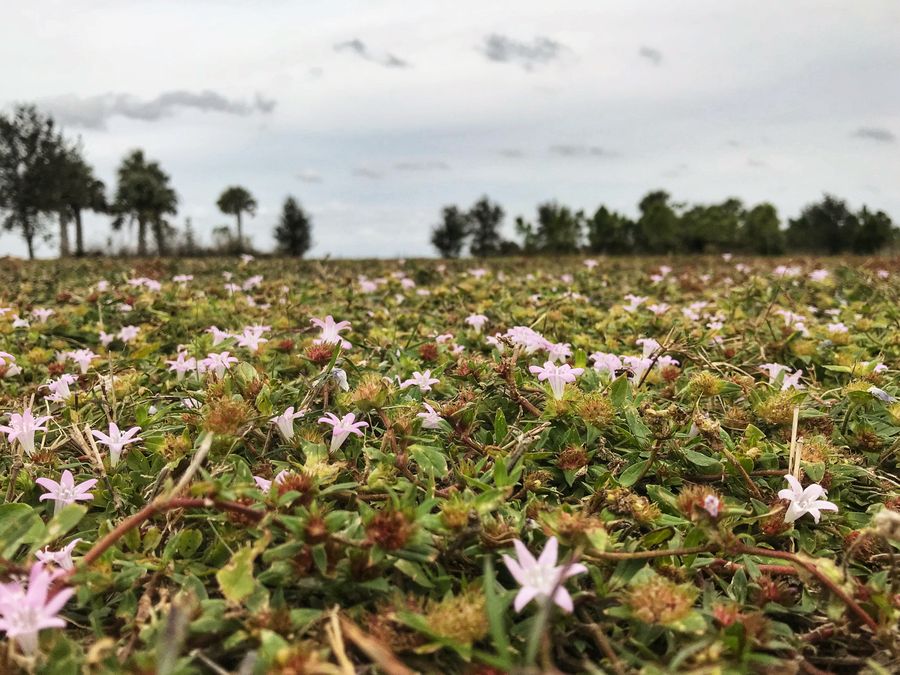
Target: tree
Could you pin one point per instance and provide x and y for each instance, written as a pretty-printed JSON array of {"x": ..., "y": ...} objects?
[
  {"x": 79, "y": 190},
  {"x": 29, "y": 158},
  {"x": 875, "y": 231},
  {"x": 709, "y": 228},
  {"x": 823, "y": 227},
  {"x": 760, "y": 230},
  {"x": 294, "y": 229},
  {"x": 658, "y": 226},
  {"x": 610, "y": 232},
  {"x": 449, "y": 237},
  {"x": 558, "y": 229},
  {"x": 144, "y": 196},
  {"x": 235, "y": 201},
  {"x": 485, "y": 218}
]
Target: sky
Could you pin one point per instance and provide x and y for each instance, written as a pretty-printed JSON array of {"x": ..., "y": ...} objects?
[{"x": 375, "y": 114}]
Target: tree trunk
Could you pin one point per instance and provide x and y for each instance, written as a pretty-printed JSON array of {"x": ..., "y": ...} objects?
[
  {"x": 240, "y": 232},
  {"x": 160, "y": 236},
  {"x": 79, "y": 234},
  {"x": 142, "y": 237},
  {"x": 64, "y": 251},
  {"x": 28, "y": 233}
]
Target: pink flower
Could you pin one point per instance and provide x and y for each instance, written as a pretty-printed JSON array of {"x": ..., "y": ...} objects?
[
  {"x": 559, "y": 351},
  {"x": 22, "y": 427},
  {"x": 477, "y": 321},
  {"x": 218, "y": 363},
  {"x": 252, "y": 338},
  {"x": 266, "y": 485},
  {"x": 331, "y": 331},
  {"x": 59, "y": 388},
  {"x": 116, "y": 441},
  {"x": 556, "y": 376},
  {"x": 542, "y": 578},
  {"x": 61, "y": 558},
  {"x": 606, "y": 363},
  {"x": 712, "y": 504},
  {"x": 128, "y": 333},
  {"x": 342, "y": 428},
  {"x": 83, "y": 358},
  {"x": 65, "y": 492},
  {"x": 218, "y": 335},
  {"x": 26, "y": 610},
  {"x": 182, "y": 364}
]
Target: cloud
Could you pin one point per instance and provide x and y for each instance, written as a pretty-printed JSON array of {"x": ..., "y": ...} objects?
[
  {"x": 756, "y": 163},
  {"x": 511, "y": 153},
  {"x": 358, "y": 47},
  {"x": 309, "y": 176},
  {"x": 367, "y": 172},
  {"x": 503, "y": 49},
  {"x": 571, "y": 150},
  {"x": 430, "y": 165},
  {"x": 875, "y": 134},
  {"x": 653, "y": 55},
  {"x": 93, "y": 112}
]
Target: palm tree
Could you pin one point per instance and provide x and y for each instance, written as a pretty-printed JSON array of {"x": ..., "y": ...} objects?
[
  {"x": 234, "y": 201},
  {"x": 144, "y": 196},
  {"x": 79, "y": 190}
]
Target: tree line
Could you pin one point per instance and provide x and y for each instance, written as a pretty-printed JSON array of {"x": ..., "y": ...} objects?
[
  {"x": 828, "y": 226},
  {"x": 45, "y": 181}
]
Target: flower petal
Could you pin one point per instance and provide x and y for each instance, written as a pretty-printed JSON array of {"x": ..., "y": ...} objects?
[
  {"x": 524, "y": 596},
  {"x": 550, "y": 553},
  {"x": 564, "y": 600}
]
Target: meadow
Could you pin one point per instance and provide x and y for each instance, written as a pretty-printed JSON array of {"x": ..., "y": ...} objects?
[{"x": 608, "y": 465}]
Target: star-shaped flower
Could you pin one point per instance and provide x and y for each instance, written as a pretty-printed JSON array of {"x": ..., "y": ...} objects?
[{"x": 541, "y": 578}]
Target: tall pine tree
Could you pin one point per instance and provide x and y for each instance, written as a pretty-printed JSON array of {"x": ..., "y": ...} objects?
[{"x": 294, "y": 229}]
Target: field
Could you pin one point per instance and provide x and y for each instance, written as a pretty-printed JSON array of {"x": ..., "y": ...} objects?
[{"x": 704, "y": 450}]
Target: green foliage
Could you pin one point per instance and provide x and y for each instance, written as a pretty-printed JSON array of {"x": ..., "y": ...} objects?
[
  {"x": 293, "y": 234},
  {"x": 144, "y": 196}
]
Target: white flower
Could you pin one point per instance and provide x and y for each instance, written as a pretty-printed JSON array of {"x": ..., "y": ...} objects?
[
  {"x": 116, "y": 440},
  {"x": 128, "y": 333},
  {"x": 881, "y": 394},
  {"x": 285, "y": 422},
  {"x": 804, "y": 501},
  {"x": 430, "y": 419},
  {"x": 422, "y": 380}
]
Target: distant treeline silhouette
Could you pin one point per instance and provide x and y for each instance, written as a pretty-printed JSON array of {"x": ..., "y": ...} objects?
[
  {"x": 45, "y": 179},
  {"x": 663, "y": 226},
  {"x": 46, "y": 183}
]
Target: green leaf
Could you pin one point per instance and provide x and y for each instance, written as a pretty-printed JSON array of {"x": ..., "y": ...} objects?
[
  {"x": 19, "y": 524},
  {"x": 236, "y": 579},
  {"x": 431, "y": 460},
  {"x": 496, "y": 612},
  {"x": 630, "y": 475},
  {"x": 618, "y": 392},
  {"x": 700, "y": 459},
  {"x": 61, "y": 524},
  {"x": 500, "y": 427}
]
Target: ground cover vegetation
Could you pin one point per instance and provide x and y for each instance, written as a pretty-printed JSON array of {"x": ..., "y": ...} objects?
[{"x": 515, "y": 465}]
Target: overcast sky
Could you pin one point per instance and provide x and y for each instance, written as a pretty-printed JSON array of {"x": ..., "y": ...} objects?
[{"x": 376, "y": 114}]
